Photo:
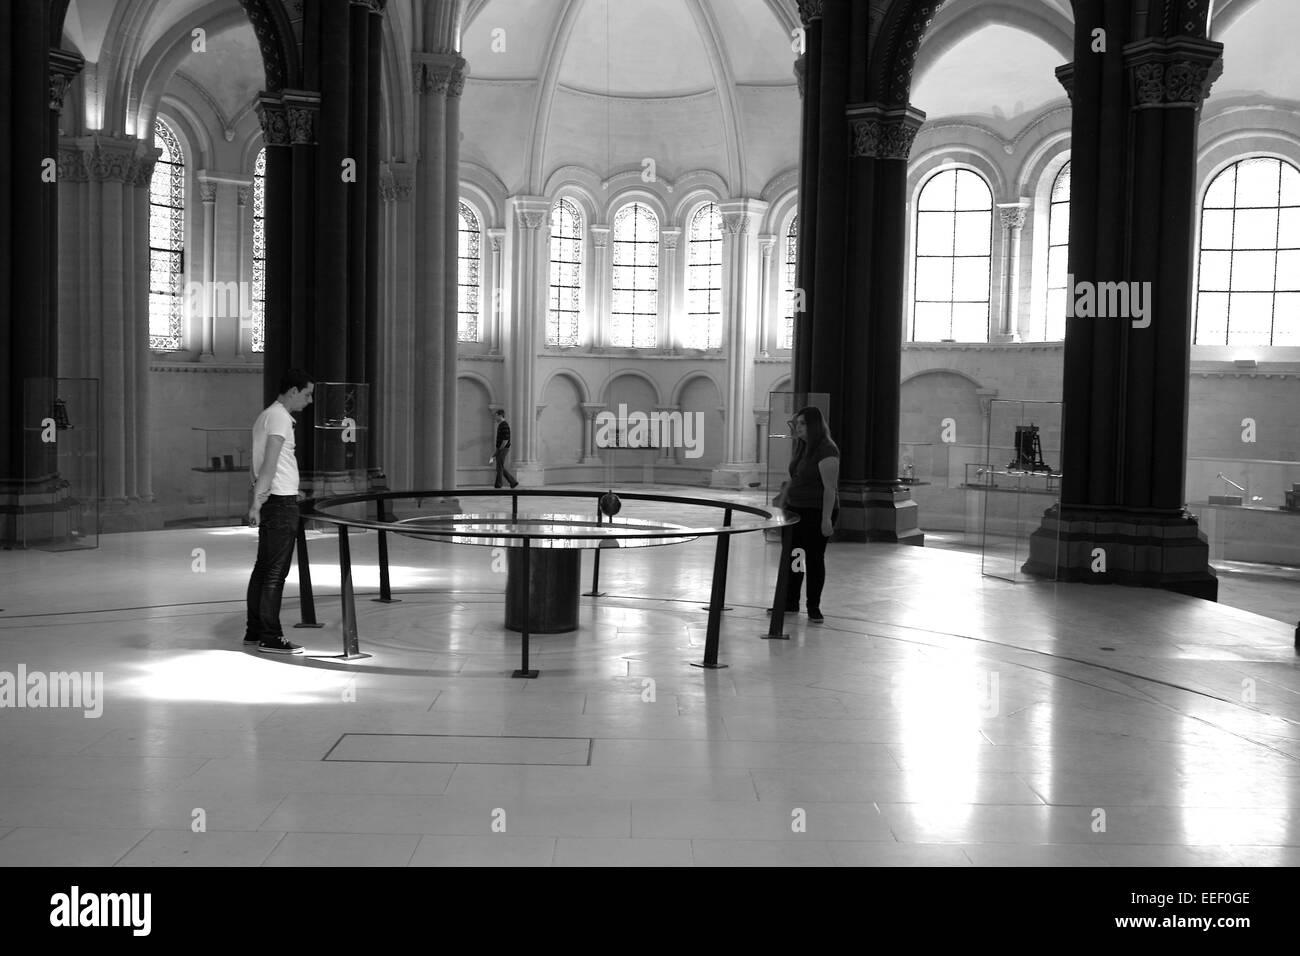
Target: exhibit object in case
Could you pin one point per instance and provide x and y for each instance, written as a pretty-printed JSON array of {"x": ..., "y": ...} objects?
[
  {"x": 341, "y": 436},
  {"x": 227, "y": 474},
  {"x": 62, "y": 468},
  {"x": 1019, "y": 479}
]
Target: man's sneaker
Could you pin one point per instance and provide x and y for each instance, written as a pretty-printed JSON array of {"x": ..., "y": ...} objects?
[
  {"x": 279, "y": 646},
  {"x": 815, "y": 616}
]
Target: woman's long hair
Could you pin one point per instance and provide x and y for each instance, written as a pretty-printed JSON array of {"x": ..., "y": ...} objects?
[{"x": 817, "y": 429}]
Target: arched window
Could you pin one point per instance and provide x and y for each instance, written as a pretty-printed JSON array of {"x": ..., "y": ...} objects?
[
  {"x": 704, "y": 279},
  {"x": 954, "y": 228},
  {"x": 1249, "y": 287},
  {"x": 468, "y": 252},
  {"x": 566, "y": 275},
  {"x": 259, "y": 253},
  {"x": 634, "y": 317},
  {"x": 1058, "y": 251},
  {"x": 166, "y": 240},
  {"x": 790, "y": 299}
]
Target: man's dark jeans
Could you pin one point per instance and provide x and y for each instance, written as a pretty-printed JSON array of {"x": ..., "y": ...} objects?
[
  {"x": 501, "y": 470},
  {"x": 277, "y": 532}
]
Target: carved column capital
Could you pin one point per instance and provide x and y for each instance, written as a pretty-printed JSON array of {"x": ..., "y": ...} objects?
[
  {"x": 243, "y": 194},
  {"x": 207, "y": 190},
  {"x": 670, "y": 236},
  {"x": 274, "y": 120},
  {"x": 64, "y": 67},
  {"x": 438, "y": 74},
  {"x": 810, "y": 10},
  {"x": 496, "y": 235},
  {"x": 1012, "y": 215},
  {"x": 877, "y": 132},
  {"x": 766, "y": 243},
  {"x": 1173, "y": 72},
  {"x": 600, "y": 236}
]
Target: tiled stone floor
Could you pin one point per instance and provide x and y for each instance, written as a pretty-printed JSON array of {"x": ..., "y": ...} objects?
[{"x": 937, "y": 718}]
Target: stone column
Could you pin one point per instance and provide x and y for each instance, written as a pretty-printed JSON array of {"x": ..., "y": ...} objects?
[
  {"x": 437, "y": 182},
  {"x": 496, "y": 288},
  {"x": 858, "y": 351},
  {"x": 589, "y": 411},
  {"x": 740, "y": 277},
  {"x": 529, "y": 259},
  {"x": 672, "y": 290},
  {"x": 208, "y": 269},
  {"x": 243, "y": 261},
  {"x": 670, "y": 452},
  {"x": 601, "y": 278},
  {"x": 808, "y": 72},
  {"x": 104, "y": 295},
  {"x": 396, "y": 402},
  {"x": 451, "y": 288},
  {"x": 1012, "y": 218},
  {"x": 766, "y": 243},
  {"x": 1124, "y": 445}
]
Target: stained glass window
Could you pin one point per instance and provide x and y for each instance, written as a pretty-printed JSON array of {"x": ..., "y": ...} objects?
[
  {"x": 259, "y": 252},
  {"x": 566, "y": 275},
  {"x": 1249, "y": 277},
  {"x": 166, "y": 241},
  {"x": 790, "y": 298},
  {"x": 1058, "y": 251},
  {"x": 470, "y": 247},
  {"x": 954, "y": 231},
  {"x": 634, "y": 316},
  {"x": 704, "y": 279}
]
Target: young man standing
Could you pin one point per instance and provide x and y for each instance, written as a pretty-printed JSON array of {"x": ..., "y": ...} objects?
[
  {"x": 273, "y": 511},
  {"x": 503, "y": 443}
]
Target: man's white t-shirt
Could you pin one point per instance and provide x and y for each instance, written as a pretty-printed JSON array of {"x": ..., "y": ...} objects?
[{"x": 276, "y": 420}]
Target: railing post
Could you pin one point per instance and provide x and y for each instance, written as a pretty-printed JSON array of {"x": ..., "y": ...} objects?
[
  {"x": 716, "y": 601},
  {"x": 528, "y": 610},
  {"x": 385, "y": 585},
  {"x": 306, "y": 599},
  {"x": 595, "y": 569},
  {"x": 776, "y": 627}
]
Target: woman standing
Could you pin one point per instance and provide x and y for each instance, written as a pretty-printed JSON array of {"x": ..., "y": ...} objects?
[{"x": 811, "y": 493}]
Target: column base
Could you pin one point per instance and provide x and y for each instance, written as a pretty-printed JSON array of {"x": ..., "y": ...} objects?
[
  {"x": 1138, "y": 550},
  {"x": 742, "y": 475},
  {"x": 879, "y": 512}
]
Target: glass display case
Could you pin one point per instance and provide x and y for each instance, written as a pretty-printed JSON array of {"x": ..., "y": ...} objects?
[
  {"x": 341, "y": 436},
  {"x": 1019, "y": 479},
  {"x": 227, "y": 460},
  {"x": 62, "y": 470}
]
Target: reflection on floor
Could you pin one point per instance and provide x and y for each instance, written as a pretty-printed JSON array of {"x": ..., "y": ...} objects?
[{"x": 936, "y": 718}]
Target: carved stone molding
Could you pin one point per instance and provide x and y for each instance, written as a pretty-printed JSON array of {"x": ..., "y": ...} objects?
[
  {"x": 600, "y": 236},
  {"x": 766, "y": 243},
  {"x": 456, "y": 82},
  {"x": 879, "y": 133},
  {"x": 1173, "y": 73},
  {"x": 207, "y": 190},
  {"x": 905, "y": 43},
  {"x": 1065, "y": 76},
  {"x": 302, "y": 125},
  {"x": 243, "y": 194},
  {"x": 496, "y": 237},
  {"x": 670, "y": 238},
  {"x": 100, "y": 159}
]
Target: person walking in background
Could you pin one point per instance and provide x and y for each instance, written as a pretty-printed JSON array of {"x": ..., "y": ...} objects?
[
  {"x": 273, "y": 511},
  {"x": 812, "y": 493},
  {"x": 502, "y": 445}
]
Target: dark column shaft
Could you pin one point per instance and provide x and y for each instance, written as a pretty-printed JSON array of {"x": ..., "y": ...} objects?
[
  {"x": 806, "y": 241},
  {"x": 329, "y": 346}
]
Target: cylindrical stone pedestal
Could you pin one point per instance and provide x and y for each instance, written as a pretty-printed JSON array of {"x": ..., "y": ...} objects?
[{"x": 555, "y": 577}]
